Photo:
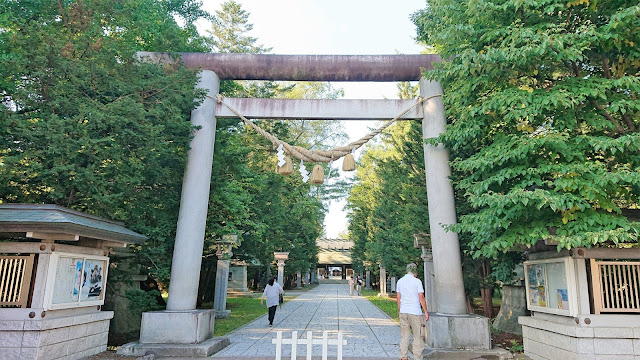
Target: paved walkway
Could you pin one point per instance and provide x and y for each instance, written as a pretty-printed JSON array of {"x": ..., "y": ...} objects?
[{"x": 369, "y": 332}]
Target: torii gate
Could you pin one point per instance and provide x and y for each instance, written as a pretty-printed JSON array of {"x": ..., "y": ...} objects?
[{"x": 181, "y": 323}]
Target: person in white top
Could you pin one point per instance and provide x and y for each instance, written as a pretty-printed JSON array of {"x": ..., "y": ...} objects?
[
  {"x": 272, "y": 293},
  {"x": 410, "y": 299}
]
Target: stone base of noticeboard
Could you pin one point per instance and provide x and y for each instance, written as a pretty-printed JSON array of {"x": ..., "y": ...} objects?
[
  {"x": 64, "y": 337},
  {"x": 551, "y": 337}
]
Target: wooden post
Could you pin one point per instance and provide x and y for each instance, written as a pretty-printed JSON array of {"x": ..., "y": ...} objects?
[
  {"x": 309, "y": 345},
  {"x": 325, "y": 344},
  {"x": 294, "y": 345},
  {"x": 278, "y": 342}
]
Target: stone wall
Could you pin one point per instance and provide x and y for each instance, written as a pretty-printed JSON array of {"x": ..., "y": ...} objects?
[
  {"x": 547, "y": 340},
  {"x": 68, "y": 338}
]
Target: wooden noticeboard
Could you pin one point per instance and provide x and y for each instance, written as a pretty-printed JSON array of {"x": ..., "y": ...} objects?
[
  {"x": 75, "y": 280},
  {"x": 551, "y": 286}
]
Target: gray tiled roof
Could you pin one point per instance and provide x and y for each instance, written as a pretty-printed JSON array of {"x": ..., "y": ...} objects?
[{"x": 16, "y": 218}]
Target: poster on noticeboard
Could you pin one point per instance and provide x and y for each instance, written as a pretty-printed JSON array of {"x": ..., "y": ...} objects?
[
  {"x": 67, "y": 280},
  {"x": 549, "y": 286},
  {"x": 92, "y": 286},
  {"x": 537, "y": 285},
  {"x": 76, "y": 280}
]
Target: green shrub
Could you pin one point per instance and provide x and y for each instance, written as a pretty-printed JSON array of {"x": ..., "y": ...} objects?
[{"x": 141, "y": 301}]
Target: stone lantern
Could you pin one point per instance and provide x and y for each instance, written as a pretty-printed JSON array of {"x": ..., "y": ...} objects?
[
  {"x": 224, "y": 251},
  {"x": 367, "y": 268},
  {"x": 280, "y": 258},
  {"x": 423, "y": 241}
]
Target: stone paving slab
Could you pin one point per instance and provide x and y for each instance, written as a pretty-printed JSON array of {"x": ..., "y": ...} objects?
[{"x": 369, "y": 332}]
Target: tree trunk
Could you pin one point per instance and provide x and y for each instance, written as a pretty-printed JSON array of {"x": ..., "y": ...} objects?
[
  {"x": 487, "y": 288},
  {"x": 206, "y": 286}
]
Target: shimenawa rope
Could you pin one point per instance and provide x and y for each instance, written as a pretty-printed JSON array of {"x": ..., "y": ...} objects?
[{"x": 307, "y": 155}]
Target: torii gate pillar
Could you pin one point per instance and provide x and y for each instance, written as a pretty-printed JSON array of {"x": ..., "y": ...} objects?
[
  {"x": 187, "y": 330},
  {"x": 451, "y": 327}
]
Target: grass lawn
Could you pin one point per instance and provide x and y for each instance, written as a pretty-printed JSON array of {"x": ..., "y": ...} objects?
[
  {"x": 388, "y": 305},
  {"x": 243, "y": 310}
]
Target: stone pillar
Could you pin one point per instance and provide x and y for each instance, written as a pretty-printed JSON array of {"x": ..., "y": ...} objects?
[
  {"x": 447, "y": 264},
  {"x": 220, "y": 297},
  {"x": 383, "y": 281},
  {"x": 445, "y": 245},
  {"x": 280, "y": 259},
  {"x": 429, "y": 286},
  {"x": 314, "y": 276},
  {"x": 181, "y": 323},
  {"x": 307, "y": 278},
  {"x": 298, "y": 279},
  {"x": 224, "y": 252},
  {"x": 281, "y": 272},
  {"x": 368, "y": 279}
]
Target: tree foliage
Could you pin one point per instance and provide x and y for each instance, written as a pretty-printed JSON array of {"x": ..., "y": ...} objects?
[
  {"x": 84, "y": 124},
  {"x": 542, "y": 99},
  {"x": 388, "y": 203}
]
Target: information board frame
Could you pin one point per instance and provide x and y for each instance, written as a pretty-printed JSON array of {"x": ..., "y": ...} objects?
[
  {"x": 56, "y": 260},
  {"x": 571, "y": 290}
]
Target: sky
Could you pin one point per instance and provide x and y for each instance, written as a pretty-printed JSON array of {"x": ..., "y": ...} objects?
[{"x": 335, "y": 27}]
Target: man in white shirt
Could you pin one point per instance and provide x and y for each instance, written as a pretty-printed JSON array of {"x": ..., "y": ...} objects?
[{"x": 410, "y": 297}]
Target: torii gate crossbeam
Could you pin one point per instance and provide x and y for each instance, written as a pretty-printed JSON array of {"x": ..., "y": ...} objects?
[
  {"x": 306, "y": 67},
  {"x": 319, "y": 109}
]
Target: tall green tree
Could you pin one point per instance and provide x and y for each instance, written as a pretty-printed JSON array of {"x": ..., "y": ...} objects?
[
  {"x": 542, "y": 99},
  {"x": 229, "y": 31}
]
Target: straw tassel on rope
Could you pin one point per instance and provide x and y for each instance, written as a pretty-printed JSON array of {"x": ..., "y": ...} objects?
[
  {"x": 348, "y": 163},
  {"x": 287, "y": 168},
  {"x": 317, "y": 176}
]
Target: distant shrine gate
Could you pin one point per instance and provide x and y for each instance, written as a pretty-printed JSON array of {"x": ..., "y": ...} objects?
[{"x": 181, "y": 314}]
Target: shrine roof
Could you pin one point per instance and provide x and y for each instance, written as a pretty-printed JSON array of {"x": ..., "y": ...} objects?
[
  {"x": 22, "y": 219},
  {"x": 334, "y": 257},
  {"x": 334, "y": 244}
]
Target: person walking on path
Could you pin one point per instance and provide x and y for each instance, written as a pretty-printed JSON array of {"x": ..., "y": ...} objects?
[
  {"x": 272, "y": 293},
  {"x": 359, "y": 285},
  {"x": 351, "y": 283},
  {"x": 410, "y": 297}
]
